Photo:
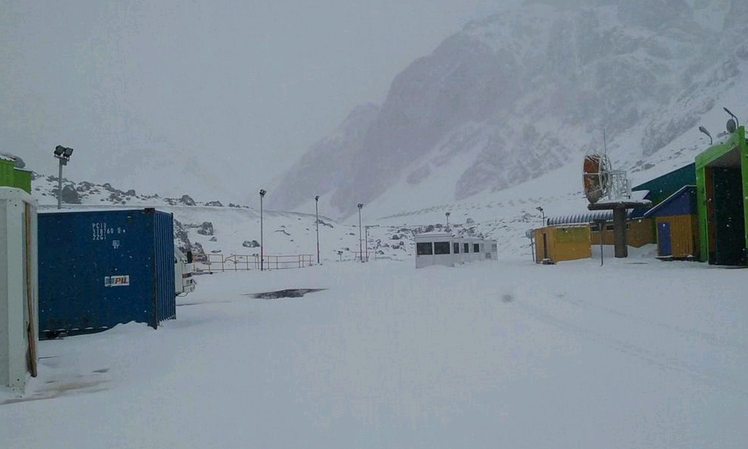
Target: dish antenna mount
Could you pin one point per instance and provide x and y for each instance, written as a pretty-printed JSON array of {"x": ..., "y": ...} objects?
[{"x": 600, "y": 180}]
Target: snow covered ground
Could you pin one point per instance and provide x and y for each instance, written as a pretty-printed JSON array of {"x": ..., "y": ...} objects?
[{"x": 634, "y": 354}]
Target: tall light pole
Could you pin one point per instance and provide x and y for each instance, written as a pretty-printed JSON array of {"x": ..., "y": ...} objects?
[
  {"x": 366, "y": 241},
  {"x": 447, "y": 214},
  {"x": 542, "y": 212},
  {"x": 316, "y": 214},
  {"x": 262, "y": 243},
  {"x": 360, "y": 245},
  {"x": 63, "y": 155}
]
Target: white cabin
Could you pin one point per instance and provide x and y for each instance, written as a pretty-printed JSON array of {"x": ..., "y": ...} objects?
[
  {"x": 441, "y": 248},
  {"x": 434, "y": 248}
]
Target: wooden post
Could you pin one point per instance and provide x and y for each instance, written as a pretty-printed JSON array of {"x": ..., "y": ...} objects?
[
  {"x": 619, "y": 232},
  {"x": 30, "y": 293}
]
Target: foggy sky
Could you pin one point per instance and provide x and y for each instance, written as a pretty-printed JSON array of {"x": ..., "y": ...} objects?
[{"x": 241, "y": 88}]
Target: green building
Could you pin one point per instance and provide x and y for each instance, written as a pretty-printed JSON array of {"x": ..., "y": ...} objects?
[
  {"x": 722, "y": 186},
  {"x": 11, "y": 176}
]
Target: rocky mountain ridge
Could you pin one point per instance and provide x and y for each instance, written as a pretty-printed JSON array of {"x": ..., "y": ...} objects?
[{"x": 523, "y": 93}]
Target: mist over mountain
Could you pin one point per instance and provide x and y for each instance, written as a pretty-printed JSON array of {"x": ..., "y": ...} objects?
[
  {"x": 327, "y": 163},
  {"x": 525, "y": 92}
]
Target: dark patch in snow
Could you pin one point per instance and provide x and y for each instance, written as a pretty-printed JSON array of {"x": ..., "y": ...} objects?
[{"x": 288, "y": 293}]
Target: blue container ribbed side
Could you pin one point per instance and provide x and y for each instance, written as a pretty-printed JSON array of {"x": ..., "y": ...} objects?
[
  {"x": 98, "y": 269},
  {"x": 164, "y": 267}
]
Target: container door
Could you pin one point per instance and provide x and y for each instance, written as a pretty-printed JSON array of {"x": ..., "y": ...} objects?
[{"x": 664, "y": 241}]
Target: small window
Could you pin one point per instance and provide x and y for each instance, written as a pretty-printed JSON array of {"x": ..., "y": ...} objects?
[
  {"x": 494, "y": 247},
  {"x": 476, "y": 248},
  {"x": 424, "y": 249},
  {"x": 467, "y": 248},
  {"x": 441, "y": 248},
  {"x": 456, "y": 248}
]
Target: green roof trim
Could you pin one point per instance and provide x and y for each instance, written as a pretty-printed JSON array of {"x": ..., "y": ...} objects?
[
  {"x": 662, "y": 187},
  {"x": 711, "y": 154}
]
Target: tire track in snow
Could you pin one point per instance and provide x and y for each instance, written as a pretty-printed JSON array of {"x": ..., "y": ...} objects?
[
  {"x": 651, "y": 357},
  {"x": 705, "y": 336}
]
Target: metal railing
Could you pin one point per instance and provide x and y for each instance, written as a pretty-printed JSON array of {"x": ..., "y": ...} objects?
[{"x": 244, "y": 262}]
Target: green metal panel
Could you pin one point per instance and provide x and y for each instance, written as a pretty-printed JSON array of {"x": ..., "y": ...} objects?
[
  {"x": 14, "y": 177},
  {"x": 7, "y": 167},
  {"x": 704, "y": 164},
  {"x": 22, "y": 180}
]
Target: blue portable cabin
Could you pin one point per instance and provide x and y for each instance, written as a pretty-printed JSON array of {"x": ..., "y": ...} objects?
[{"x": 98, "y": 269}]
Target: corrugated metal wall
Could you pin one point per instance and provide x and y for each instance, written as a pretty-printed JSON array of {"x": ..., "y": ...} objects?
[
  {"x": 164, "y": 266},
  {"x": 559, "y": 243},
  {"x": 640, "y": 232},
  {"x": 101, "y": 268},
  {"x": 684, "y": 235}
]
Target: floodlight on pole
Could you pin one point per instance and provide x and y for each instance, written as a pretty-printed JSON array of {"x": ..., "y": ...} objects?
[
  {"x": 360, "y": 244},
  {"x": 262, "y": 243},
  {"x": 63, "y": 155},
  {"x": 543, "y": 214},
  {"x": 704, "y": 130},
  {"x": 316, "y": 214}
]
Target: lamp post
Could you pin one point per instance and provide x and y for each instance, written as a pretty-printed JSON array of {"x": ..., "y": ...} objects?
[
  {"x": 262, "y": 243},
  {"x": 366, "y": 241},
  {"x": 316, "y": 214},
  {"x": 63, "y": 155},
  {"x": 360, "y": 244},
  {"x": 542, "y": 212},
  {"x": 447, "y": 214}
]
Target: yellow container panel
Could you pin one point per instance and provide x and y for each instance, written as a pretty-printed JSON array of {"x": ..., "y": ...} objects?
[
  {"x": 640, "y": 232},
  {"x": 562, "y": 243},
  {"x": 684, "y": 235},
  {"x": 571, "y": 243}
]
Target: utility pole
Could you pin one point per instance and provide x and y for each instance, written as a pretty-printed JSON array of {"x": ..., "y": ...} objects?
[
  {"x": 262, "y": 242},
  {"x": 360, "y": 245},
  {"x": 316, "y": 214}
]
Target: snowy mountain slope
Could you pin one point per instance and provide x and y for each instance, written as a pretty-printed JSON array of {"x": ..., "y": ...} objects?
[
  {"x": 214, "y": 228},
  {"x": 520, "y": 94}
]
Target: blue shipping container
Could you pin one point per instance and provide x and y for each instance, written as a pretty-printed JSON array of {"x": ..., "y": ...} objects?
[{"x": 101, "y": 268}]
